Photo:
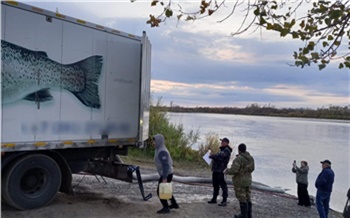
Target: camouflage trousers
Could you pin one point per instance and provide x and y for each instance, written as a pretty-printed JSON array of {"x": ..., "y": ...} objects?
[{"x": 243, "y": 194}]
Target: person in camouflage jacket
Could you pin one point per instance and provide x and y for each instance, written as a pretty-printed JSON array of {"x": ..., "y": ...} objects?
[{"x": 241, "y": 171}]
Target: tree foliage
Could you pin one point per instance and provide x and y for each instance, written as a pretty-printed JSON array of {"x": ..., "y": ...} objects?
[{"x": 324, "y": 29}]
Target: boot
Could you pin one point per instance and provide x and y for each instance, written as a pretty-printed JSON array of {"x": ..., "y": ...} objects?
[
  {"x": 223, "y": 202},
  {"x": 249, "y": 209},
  {"x": 163, "y": 210},
  {"x": 213, "y": 200},
  {"x": 244, "y": 210}
]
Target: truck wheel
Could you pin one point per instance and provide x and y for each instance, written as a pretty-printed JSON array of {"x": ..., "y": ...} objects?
[{"x": 31, "y": 181}]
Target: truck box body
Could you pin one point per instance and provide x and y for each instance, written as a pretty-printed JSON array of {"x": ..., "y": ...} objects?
[
  {"x": 74, "y": 95},
  {"x": 66, "y": 82}
]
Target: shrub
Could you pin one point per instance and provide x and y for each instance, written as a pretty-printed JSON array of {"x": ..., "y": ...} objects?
[
  {"x": 177, "y": 141},
  {"x": 211, "y": 143}
]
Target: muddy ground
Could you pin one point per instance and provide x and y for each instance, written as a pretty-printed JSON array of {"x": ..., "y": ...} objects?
[{"x": 104, "y": 197}]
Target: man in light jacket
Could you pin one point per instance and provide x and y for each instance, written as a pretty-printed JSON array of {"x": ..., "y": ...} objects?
[
  {"x": 302, "y": 181},
  {"x": 164, "y": 165}
]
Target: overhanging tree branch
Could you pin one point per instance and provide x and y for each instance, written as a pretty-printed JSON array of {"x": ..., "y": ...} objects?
[{"x": 322, "y": 29}]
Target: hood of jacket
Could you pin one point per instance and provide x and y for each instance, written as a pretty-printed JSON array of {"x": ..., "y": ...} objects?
[{"x": 159, "y": 141}]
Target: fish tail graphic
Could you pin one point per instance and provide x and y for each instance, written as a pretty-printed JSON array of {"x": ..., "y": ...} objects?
[{"x": 92, "y": 67}]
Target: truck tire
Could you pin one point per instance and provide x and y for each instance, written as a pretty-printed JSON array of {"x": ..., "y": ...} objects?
[{"x": 31, "y": 181}]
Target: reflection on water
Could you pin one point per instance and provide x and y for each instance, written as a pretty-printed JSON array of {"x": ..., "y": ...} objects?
[{"x": 275, "y": 142}]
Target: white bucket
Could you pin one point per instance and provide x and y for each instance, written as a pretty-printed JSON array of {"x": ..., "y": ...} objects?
[{"x": 165, "y": 190}]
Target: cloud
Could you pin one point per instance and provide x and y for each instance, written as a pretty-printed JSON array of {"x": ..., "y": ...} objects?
[
  {"x": 233, "y": 94},
  {"x": 199, "y": 63}
]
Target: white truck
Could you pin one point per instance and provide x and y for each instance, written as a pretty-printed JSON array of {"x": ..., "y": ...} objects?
[{"x": 74, "y": 96}]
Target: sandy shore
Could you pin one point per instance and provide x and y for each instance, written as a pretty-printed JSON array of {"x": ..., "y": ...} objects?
[{"x": 97, "y": 197}]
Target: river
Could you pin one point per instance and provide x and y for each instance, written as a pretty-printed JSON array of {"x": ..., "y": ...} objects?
[{"x": 276, "y": 142}]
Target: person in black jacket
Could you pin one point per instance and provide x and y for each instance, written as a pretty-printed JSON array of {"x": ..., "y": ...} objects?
[{"x": 219, "y": 164}]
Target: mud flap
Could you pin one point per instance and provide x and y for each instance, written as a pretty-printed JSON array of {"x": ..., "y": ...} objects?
[
  {"x": 139, "y": 180},
  {"x": 118, "y": 171}
]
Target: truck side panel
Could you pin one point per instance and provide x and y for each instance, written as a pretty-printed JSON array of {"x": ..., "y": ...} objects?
[{"x": 84, "y": 83}]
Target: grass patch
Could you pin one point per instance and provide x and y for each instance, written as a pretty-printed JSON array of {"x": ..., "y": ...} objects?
[{"x": 177, "y": 142}]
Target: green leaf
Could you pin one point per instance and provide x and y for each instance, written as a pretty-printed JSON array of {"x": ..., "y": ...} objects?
[
  {"x": 256, "y": 12},
  {"x": 298, "y": 63},
  {"x": 324, "y": 61},
  {"x": 295, "y": 55},
  {"x": 330, "y": 37},
  {"x": 347, "y": 64},
  {"x": 325, "y": 44},
  {"x": 168, "y": 13},
  {"x": 315, "y": 55},
  {"x": 189, "y": 18},
  {"x": 334, "y": 14},
  {"x": 277, "y": 27},
  {"x": 284, "y": 32},
  {"x": 311, "y": 46},
  {"x": 262, "y": 21},
  {"x": 305, "y": 51},
  {"x": 304, "y": 59},
  {"x": 295, "y": 35},
  {"x": 292, "y": 23},
  {"x": 154, "y": 3},
  {"x": 269, "y": 26},
  {"x": 341, "y": 66},
  {"x": 321, "y": 66}
]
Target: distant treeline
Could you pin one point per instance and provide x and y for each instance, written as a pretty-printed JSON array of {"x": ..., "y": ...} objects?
[{"x": 332, "y": 112}]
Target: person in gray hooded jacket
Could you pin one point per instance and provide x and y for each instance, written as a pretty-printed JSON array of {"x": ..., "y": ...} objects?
[
  {"x": 302, "y": 181},
  {"x": 164, "y": 165}
]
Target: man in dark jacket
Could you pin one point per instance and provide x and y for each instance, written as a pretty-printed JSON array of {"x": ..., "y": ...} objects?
[
  {"x": 241, "y": 169},
  {"x": 164, "y": 165},
  {"x": 219, "y": 164},
  {"x": 324, "y": 184}
]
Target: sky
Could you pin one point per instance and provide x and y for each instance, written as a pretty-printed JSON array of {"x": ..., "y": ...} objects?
[{"x": 200, "y": 64}]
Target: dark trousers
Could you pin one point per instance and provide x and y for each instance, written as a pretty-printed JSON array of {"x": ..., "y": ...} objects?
[
  {"x": 303, "y": 195},
  {"x": 219, "y": 181},
  {"x": 172, "y": 199}
]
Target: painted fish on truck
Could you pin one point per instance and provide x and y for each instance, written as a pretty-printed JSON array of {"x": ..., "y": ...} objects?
[{"x": 29, "y": 75}]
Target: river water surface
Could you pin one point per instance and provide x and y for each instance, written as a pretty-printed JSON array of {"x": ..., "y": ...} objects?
[{"x": 276, "y": 142}]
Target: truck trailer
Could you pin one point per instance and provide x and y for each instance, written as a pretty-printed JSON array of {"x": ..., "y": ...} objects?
[{"x": 74, "y": 96}]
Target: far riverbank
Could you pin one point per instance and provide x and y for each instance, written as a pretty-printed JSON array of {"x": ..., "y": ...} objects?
[{"x": 332, "y": 112}]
